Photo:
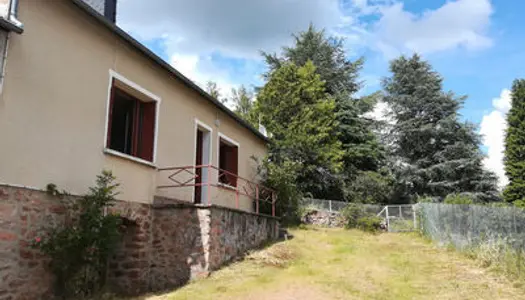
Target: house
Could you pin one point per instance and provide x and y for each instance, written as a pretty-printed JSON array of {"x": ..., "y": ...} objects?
[
  {"x": 77, "y": 96},
  {"x": 80, "y": 95}
]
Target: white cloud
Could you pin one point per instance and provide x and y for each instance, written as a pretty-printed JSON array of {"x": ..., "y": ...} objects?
[
  {"x": 186, "y": 64},
  {"x": 200, "y": 70},
  {"x": 380, "y": 113},
  {"x": 503, "y": 103},
  {"x": 221, "y": 40},
  {"x": 461, "y": 23},
  {"x": 493, "y": 128},
  {"x": 206, "y": 39},
  {"x": 236, "y": 28}
]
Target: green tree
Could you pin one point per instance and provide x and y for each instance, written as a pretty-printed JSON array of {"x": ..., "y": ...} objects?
[
  {"x": 515, "y": 145},
  {"x": 371, "y": 187},
  {"x": 327, "y": 54},
  {"x": 215, "y": 91},
  {"x": 297, "y": 111},
  {"x": 434, "y": 153},
  {"x": 362, "y": 150},
  {"x": 243, "y": 102}
]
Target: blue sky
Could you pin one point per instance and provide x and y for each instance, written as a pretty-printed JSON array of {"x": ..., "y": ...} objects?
[{"x": 477, "y": 45}]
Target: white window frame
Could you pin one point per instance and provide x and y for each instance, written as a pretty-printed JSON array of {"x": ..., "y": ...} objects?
[
  {"x": 199, "y": 124},
  {"x": 233, "y": 142},
  {"x": 119, "y": 77}
]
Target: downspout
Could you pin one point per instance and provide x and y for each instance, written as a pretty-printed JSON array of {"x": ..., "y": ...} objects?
[
  {"x": 13, "y": 18},
  {"x": 13, "y": 14},
  {"x": 4, "y": 62}
]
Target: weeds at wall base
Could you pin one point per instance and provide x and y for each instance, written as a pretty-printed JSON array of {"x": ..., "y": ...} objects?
[{"x": 496, "y": 256}]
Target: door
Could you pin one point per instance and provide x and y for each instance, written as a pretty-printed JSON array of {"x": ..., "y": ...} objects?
[{"x": 198, "y": 162}]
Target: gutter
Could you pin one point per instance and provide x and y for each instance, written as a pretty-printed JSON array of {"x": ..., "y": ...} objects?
[
  {"x": 10, "y": 26},
  {"x": 12, "y": 23},
  {"x": 160, "y": 62}
]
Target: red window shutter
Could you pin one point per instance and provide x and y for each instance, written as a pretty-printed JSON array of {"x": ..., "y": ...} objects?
[
  {"x": 234, "y": 158},
  {"x": 147, "y": 139}
]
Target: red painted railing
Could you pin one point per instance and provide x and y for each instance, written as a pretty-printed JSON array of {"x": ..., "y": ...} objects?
[{"x": 211, "y": 176}]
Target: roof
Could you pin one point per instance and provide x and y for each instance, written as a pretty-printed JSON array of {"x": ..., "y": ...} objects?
[{"x": 163, "y": 64}]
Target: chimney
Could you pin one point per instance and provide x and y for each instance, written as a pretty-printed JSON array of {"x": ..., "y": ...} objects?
[{"x": 107, "y": 8}]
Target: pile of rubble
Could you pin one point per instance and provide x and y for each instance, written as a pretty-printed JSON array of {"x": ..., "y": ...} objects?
[{"x": 323, "y": 218}]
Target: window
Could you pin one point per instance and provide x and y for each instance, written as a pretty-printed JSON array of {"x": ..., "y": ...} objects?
[
  {"x": 131, "y": 123},
  {"x": 228, "y": 162}
]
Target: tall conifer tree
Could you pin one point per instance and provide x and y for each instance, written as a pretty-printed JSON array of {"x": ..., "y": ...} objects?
[
  {"x": 515, "y": 145},
  {"x": 435, "y": 153}
]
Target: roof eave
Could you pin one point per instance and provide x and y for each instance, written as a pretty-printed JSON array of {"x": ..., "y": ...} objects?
[{"x": 159, "y": 61}]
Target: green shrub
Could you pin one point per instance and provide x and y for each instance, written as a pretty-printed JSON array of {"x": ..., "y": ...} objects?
[
  {"x": 425, "y": 199},
  {"x": 369, "y": 223},
  {"x": 282, "y": 178},
  {"x": 80, "y": 250},
  {"x": 519, "y": 203},
  {"x": 458, "y": 199},
  {"x": 351, "y": 213}
]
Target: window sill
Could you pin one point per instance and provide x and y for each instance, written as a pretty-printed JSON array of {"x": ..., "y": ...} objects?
[
  {"x": 226, "y": 186},
  {"x": 129, "y": 157}
]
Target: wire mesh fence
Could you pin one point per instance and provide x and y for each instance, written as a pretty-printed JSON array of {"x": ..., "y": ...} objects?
[
  {"x": 399, "y": 218},
  {"x": 468, "y": 226},
  {"x": 337, "y": 206}
]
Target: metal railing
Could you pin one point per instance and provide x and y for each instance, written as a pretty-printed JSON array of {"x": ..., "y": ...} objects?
[{"x": 208, "y": 176}]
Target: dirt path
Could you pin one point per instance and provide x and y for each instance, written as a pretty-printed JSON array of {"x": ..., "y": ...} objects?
[{"x": 321, "y": 264}]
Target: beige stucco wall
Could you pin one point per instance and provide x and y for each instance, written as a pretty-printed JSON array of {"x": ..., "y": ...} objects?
[{"x": 53, "y": 109}]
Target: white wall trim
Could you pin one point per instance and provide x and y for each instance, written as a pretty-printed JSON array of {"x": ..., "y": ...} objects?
[
  {"x": 205, "y": 127},
  {"x": 114, "y": 75},
  {"x": 201, "y": 124},
  {"x": 129, "y": 157},
  {"x": 230, "y": 141}
]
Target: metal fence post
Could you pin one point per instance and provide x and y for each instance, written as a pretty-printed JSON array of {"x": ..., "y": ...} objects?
[
  {"x": 414, "y": 213},
  {"x": 387, "y": 220}
]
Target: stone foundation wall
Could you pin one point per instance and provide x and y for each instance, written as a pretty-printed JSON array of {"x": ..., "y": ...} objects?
[
  {"x": 233, "y": 233},
  {"x": 165, "y": 244}
]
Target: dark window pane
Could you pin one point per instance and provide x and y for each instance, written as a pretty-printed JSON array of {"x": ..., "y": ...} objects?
[
  {"x": 122, "y": 123},
  {"x": 228, "y": 157},
  {"x": 131, "y": 127}
]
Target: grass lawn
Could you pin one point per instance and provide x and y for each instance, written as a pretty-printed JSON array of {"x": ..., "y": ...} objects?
[{"x": 338, "y": 264}]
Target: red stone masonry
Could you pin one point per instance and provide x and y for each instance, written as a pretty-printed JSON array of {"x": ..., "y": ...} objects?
[{"x": 165, "y": 244}]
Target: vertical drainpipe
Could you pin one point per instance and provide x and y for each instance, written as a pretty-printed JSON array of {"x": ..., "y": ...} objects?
[
  {"x": 13, "y": 14},
  {"x": 13, "y": 18},
  {"x": 4, "y": 60}
]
